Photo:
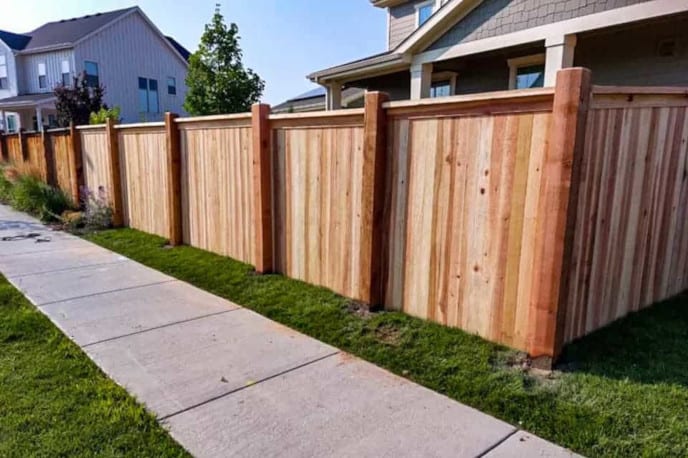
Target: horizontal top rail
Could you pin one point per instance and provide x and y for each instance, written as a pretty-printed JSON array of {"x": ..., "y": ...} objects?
[
  {"x": 481, "y": 97},
  {"x": 319, "y": 114},
  {"x": 640, "y": 90},
  {"x": 140, "y": 125},
  {"x": 224, "y": 117},
  {"x": 58, "y": 130},
  {"x": 91, "y": 127}
]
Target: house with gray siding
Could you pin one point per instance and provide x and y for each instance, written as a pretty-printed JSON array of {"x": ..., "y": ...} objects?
[
  {"x": 439, "y": 48},
  {"x": 143, "y": 71}
]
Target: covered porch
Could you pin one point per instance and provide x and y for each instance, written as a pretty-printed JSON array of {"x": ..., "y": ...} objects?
[{"x": 31, "y": 112}]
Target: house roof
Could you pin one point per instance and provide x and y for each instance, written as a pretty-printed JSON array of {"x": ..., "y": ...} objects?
[
  {"x": 314, "y": 100},
  {"x": 26, "y": 100},
  {"x": 66, "y": 32},
  {"x": 185, "y": 53},
  {"x": 446, "y": 16},
  {"x": 14, "y": 40}
]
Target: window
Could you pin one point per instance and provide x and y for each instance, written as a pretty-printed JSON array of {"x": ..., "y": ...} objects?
[
  {"x": 11, "y": 124},
  {"x": 440, "y": 89},
  {"x": 42, "y": 78},
  {"x": 443, "y": 84},
  {"x": 91, "y": 69},
  {"x": 527, "y": 72},
  {"x": 52, "y": 121},
  {"x": 424, "y": 11},
  {"x": 3, "y": 72},
  {"x": 171, "y": 86},
  {"x": 66, "y": 75},
  {"x": 148, "y": 96}
]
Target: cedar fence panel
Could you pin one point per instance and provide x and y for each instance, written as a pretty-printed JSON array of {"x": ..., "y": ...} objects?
[
  {"x": 465, "y": 186},
  {"x": 14, "y": 150},
  {"x": 319, "y": 201},
  {"x": 217, "y": 189},
  {"x": 34, "y": 156},
  {"x": 61, "y": 145},
  {"x": 96, "y": 161},
  {"x": 143, "y": 169},
  {"x": 631, "y": 236}
]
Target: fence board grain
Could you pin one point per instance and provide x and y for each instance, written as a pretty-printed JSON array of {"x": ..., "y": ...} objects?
[
  {"x": 464, "y": 212},
  {"x": 145, "y": 186},
  {"x": 217, "y": 197},
  {"x": 631, "y": 238},
  {"x": 319, "y": 205},
  {"x": 60, "y": 144},
  {"x": 96, "y": 161}
]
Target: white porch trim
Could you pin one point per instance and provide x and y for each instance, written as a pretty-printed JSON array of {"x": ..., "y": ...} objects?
[
  {"x": 617, "y": 16},
  {"x": 560, "y": 52},
  {"x": 333, "y": 96},
  {"x": 421, "y": 81}
]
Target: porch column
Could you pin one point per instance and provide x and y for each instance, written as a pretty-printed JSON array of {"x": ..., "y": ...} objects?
[
  {"x": 560, "y": 52},
  {"x": 421, "y": 81},
  {"x": 333, "y": 99},
  {"x": 39, "y": 119}
]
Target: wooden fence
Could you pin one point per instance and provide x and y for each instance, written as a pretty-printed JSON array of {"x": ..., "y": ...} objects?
[{"x": 530, "y": 218}]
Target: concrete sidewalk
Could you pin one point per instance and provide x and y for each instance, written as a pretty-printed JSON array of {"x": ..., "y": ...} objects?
[{"x": 228, "y": 382}]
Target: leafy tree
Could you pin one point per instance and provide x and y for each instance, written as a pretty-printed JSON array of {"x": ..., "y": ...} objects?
[
  {"x": 75, "y": 103},
  {"x": 217, "y": 81}
]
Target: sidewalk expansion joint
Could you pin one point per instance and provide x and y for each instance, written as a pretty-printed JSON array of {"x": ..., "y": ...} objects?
[
  {"x": 102, "y": 293},
  {"x": 67, "y": 269},
  {"x": 236, "y": 390},
  {"x": 162, "y": 326},
  {"x": 500, "y": 442}
]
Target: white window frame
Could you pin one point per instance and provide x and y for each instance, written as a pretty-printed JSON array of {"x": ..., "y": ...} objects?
[
  {"x": 4, "y": 74},
  {"x": 431, "y": 3},
  {"x": 65, "y": 69},
  {"x": 446, "y": 76},
  {"x": 520, "y": 62},
  {"x": 42, "y": 72}
]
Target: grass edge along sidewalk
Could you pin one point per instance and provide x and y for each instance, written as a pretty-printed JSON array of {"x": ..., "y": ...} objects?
[
  {"x": 622, "y": 391},
  {"x": 54, "y": 401}
]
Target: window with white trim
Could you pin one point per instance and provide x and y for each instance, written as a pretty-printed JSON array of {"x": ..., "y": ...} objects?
[
  {"x": 527, "y": 72},
  {"x": 42, "y": 76},
  {"x": 424, "y": 11},
  {"x": 171, "y": 85},
  {"x": 4, "y": 83},
  {"x": 66, "y": 74},
  {"x": 11, "y": 123}
]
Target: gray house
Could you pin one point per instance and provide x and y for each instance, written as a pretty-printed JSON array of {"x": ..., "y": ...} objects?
[
  {"x": 142, "y": 70},
  {"x": 446, "y": 47}
]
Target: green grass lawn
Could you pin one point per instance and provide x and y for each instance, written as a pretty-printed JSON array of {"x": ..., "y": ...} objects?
[
  {"x": 620, "y": 392},
  {"x": 55, "y": 402}
]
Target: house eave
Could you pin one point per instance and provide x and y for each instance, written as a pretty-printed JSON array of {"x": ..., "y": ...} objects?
[
  {"x": 366, "y": 67},
  {"x": 387, "y": 3},
  {"x": 55, "y": 47}
]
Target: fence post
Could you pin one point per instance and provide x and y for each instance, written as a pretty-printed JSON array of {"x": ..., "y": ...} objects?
[
  {"x": 262, "y": 188},
  {"x": 22, "y": 146},
  {"x": 4, "y": 155},
  {"x": 49, "y": 158},
  {"x": 374, "y": 172},
  {"x": 75, "y": 164},
  {"x": 559, "y": 189},
  {"x": 174, "y": 178},
  {"x": 115, "y": 174}
]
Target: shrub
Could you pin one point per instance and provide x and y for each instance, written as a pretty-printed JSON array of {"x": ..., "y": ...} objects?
[
  {"x": 31, "y": 195},
  {"x": 97, "y": 211},
  {"x": 104, "y": 114},
  {"x": 5, "y": 188}
]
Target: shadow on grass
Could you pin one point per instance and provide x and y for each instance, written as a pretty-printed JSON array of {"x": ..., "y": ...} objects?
[{"x": 650, "y": 346}]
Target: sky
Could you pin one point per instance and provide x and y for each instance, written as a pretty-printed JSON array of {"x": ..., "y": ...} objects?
[{"x": 282, "y": 40}]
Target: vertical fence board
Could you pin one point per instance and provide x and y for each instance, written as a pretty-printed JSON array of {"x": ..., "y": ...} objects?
[{"x": 96, "y": 162}]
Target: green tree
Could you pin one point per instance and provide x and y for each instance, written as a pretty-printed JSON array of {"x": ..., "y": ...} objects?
[
  {"x": 217, "y": 81},
  {"x": 75, "y": 103}
]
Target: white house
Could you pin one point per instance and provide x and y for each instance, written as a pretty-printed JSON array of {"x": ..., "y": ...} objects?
[{"x": 143, "y": 71}]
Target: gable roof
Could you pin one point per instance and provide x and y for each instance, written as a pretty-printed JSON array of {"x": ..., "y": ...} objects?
[
  {"x": 68, "y": 31},
  {"x": 185, "y": 53},
  {"x": 13, "y": 40},
  {"x": 449, "y": 14}
]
